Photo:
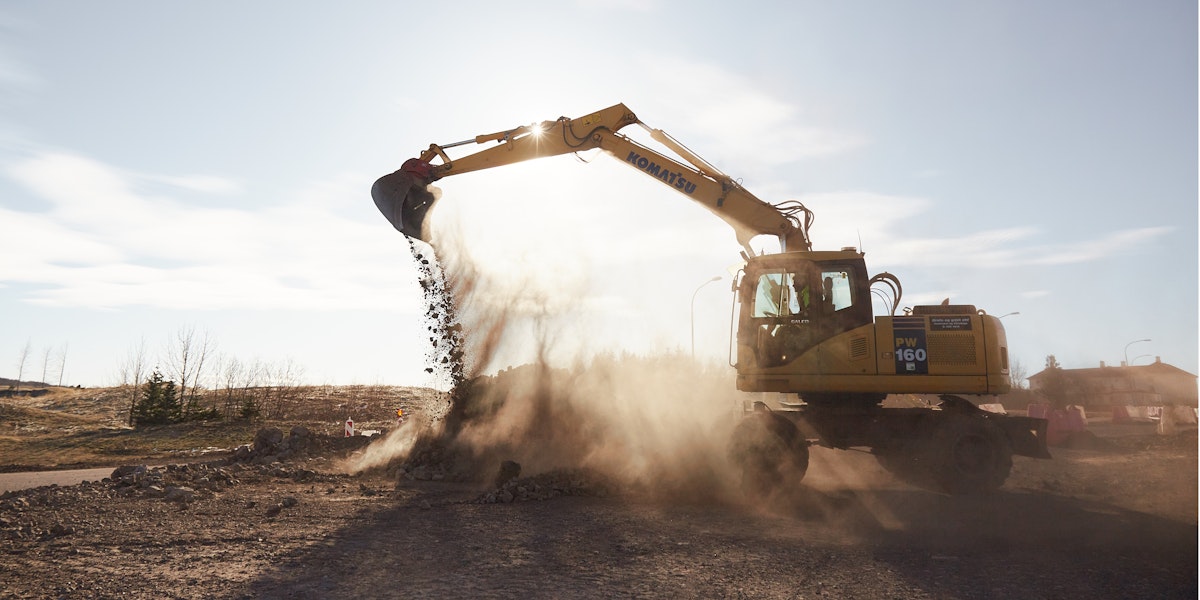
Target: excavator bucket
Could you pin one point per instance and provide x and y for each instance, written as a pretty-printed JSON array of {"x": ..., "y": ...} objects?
[{"x": 404, "y": 198}]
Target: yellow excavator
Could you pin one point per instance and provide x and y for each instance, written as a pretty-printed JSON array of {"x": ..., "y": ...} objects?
[{"x": 806, "y": 323}]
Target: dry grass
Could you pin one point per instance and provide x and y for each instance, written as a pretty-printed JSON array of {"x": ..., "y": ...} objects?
[{"x": 71, "y": 427}]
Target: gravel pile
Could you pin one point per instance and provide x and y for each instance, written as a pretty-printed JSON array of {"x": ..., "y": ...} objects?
[
  {"x": 552, "y": 484},
  {"x": 272, "y": 446},
  {"x": 35, "y": 513},
  {"x": 38, "y": 513},
  {"x": 434, "y": 461}
]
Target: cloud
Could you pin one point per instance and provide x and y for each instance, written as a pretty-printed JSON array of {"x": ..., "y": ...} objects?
[
  {"x": 1091, "y": 250},
  {"x": 742, "y": 123},
  {"x": 105, "y": 242},
  {"x": 879, "y": 221},
  {"x": 200, "y": 183}
]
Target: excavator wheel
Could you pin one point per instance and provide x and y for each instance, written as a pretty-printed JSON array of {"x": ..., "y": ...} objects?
[
  {"x": 970, "y": 455},
  {"x": 770, "y": 452},
  {"x": 963, "y": 454}
]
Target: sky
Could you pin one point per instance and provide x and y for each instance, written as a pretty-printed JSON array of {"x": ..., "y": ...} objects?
[{"x": 206, "y": 167}]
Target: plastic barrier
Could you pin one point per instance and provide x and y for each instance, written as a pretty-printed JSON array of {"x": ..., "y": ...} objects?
[
  {"x": 1185, "y": 415},
  {"x": 1137, "y": 413},
  {"x": 1121, "y": 414},
  {"x": 1061, "y": 422}
]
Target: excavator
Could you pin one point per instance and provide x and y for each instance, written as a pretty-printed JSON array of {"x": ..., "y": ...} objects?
[{"x": 805, "y": 324}]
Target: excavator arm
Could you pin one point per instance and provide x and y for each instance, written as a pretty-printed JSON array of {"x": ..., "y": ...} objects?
[{"x": 405, "y": 199}]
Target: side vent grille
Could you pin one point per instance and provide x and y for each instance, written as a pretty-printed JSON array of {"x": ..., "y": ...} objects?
[
  {"x": 859, "y": 349},
  {"x": 952, "y": 349}
]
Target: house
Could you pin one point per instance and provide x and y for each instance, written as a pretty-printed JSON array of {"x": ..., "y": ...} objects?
[{"x": 1155, "y": 384}]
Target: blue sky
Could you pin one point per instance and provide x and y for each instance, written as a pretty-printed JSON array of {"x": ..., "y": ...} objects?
[{"x": 208, "y": 165}]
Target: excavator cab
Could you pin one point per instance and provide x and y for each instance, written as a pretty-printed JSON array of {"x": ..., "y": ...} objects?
[{"x": 791, "y": 302}]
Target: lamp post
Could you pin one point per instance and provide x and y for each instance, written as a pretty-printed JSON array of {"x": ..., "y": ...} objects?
[
  {"x": 717, "y": 278},
  {"x": 1008, "y": 314},
  {"x": 1126, "y": 363}
]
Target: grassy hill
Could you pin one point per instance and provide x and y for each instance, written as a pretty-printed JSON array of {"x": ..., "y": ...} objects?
[{"x": 74, "y": 427}]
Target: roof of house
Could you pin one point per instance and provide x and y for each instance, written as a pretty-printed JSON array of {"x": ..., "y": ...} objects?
[{"x": 1157, "y": 368}]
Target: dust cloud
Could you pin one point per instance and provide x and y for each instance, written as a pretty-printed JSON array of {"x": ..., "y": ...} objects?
[{"x": 655, "y": 423}]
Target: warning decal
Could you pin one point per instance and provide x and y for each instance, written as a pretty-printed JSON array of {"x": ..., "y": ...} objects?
[{"x": 951, "y": 323}]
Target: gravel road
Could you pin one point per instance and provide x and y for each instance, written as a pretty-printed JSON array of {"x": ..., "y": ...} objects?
[
  {"x": 1115, "y": 524},
  {"x": 19, "y": 481}
]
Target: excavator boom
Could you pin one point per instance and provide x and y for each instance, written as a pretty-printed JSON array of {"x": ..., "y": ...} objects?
[{"x": 405, "y": 199}]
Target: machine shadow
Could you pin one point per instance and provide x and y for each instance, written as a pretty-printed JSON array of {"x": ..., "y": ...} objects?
[
  {"x": 1005, "y": 545},
  {"x": 1009, "y": 544}
]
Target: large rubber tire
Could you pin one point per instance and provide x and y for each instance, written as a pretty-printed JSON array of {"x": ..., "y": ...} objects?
[
  {"x": 769, "y": 451},
  {"x": 962, "y": 455},
  {"x": 969, "y": 455}
]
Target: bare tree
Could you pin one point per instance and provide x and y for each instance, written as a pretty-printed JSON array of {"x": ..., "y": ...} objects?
[
  {"x": 203, "y": 351},
  {"x": 285, "y": 379},
  {"x": 1017, "y": 374},
  {"x": 131, "y": 370},
  {"x": 251, "y": 381},
  {"x": 62, "y": 362},
  {"x": 45, "y": 366},
  {"x": 185, "y": 357},
  {"x": 21, "y": 363},
  {"x": 230, "y": 369}
]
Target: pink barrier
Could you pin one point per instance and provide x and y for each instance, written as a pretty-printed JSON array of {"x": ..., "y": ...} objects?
[
  {"x": 1062, "y": 422},
  {"x": 1121, "y": 414}
]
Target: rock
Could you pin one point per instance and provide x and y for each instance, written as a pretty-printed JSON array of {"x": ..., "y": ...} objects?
[
  {"x": 508, "y": 470},
  {"x": 242, "y": 453},
  {"x": 183, "y": 495},
  {"x": 289, "y": 502},
  {"x": 299, "y": 439},
  {"x": 268, "y": 441},
  {"x": 128, "y": 470}
]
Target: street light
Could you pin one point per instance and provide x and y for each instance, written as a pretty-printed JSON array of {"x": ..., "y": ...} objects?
[
  {"x": 1136, "y": 358},
  {"x": 1126, "y": 363},
  {"x": 717, "y": 278},
  {"x": 1008, "y": 315}
]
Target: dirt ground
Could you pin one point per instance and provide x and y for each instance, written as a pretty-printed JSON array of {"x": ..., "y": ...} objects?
[{"x": 1113, "y": 523}]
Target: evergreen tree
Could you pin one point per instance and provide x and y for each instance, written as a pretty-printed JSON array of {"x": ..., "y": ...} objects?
[
  {"x": 1054, "y": 384},
  {"x": 159, "y": 403}
]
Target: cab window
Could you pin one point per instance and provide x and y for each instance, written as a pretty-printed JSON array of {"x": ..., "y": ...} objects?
[
  {"x": 837, "y": 290},
  {"x": 776, "y": 295}
]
